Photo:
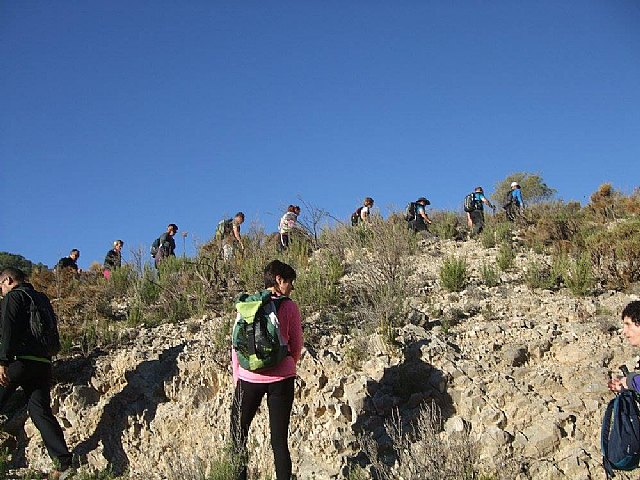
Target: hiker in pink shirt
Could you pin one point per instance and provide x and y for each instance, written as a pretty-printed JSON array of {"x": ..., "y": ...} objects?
[{"x": 277, "y": 382}]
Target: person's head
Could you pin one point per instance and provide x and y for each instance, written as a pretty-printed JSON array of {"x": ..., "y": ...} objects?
[
  {"x": 239, "y": 218},
  {"x": 74, "y": 254},
  {"x": 172, "y": 229},
  {"x": 291, "y": 209},
  {"x": 296, "y": 209},
  {"x": 479, "y": 190},
  {"x": 515, "y": 185},
  {"x": 279, "y": 276},
  {"x": 368, "y": 202},
  {"x": 631, "y": 323},
  {"x": 422, "y": 201},
  {"x": 117, "y": 245},
  {"x": 11, "y": 278}
]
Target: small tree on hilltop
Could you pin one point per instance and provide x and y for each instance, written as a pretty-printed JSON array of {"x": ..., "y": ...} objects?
[{"x": 534, "y": 190}]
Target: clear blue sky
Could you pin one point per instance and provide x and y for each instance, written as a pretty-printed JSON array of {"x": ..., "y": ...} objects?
[{"x": 119, "y": 117}]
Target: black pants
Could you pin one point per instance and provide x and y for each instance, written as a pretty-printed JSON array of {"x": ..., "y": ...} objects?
[
  {"x": 35, "y": 379},
  {"x": 477, "y": 220},
  {"x": 246, "y": 401},
  {"x": 284, "y": 241},
  {"x": 418, "y": 225}
]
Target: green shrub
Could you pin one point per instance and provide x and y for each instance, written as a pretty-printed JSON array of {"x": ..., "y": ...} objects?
[
  {"x": 496, "y": 234},
  {"x": 506, "y": 257},
  {"x": 579, "y": 276},
  {"x": 122, "y": 279},
  {"x": 616, "y": 253},
  {"x": 445, "y": 225},
  {"x": 489, "y": 275},
  {"x": 318, "y": 286},
  {"x": 453, "y": 274},
  {"x": 539, "y": 275}
]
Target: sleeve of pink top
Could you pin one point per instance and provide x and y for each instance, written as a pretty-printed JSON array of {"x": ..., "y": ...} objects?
[{"x": 290, "y": 317}]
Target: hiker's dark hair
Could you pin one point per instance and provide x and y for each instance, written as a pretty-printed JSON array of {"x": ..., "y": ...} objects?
[
  {"x": 75, "y": 250},
  {"x": 173, "y": 226},
  {"x": 275, "y": 268},
  {"x": 479, "y": 190},
  {"x": 632, "y": 311},
  {"x": 15, "y": 274},
  {"x": 239, "y": 214},
  {"x": 291, "y": 208},
  {"x": 368, "y": 200}
]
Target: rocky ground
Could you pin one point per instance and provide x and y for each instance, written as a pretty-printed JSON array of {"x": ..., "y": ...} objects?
[{"x": 524, "y": 369}]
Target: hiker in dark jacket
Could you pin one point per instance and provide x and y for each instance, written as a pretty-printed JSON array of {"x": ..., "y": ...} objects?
[
  {"x": 630, "y": 331},
  {"x": 167, "y": 245},
  {"x": 25, "y": 363},
  {"x": 113, "y": 259},
  {"x": 69, "y": 263},
  {"x": 475, "y": 218}
]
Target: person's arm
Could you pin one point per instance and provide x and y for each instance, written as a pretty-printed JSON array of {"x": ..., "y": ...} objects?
[
  {"x": 423, "y": 214},
  {"x": 10, "y": 311},
  {"x": 236, "y": 235},
  {"x": 290, "y": 314},
  {"x": 486, "y": 201}
]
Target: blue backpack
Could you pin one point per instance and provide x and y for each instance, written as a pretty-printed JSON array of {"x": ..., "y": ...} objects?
[{"x": 620, "y": 435}]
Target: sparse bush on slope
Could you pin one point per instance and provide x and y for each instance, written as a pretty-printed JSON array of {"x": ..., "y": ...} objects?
[{"x": 453, "y": 274}]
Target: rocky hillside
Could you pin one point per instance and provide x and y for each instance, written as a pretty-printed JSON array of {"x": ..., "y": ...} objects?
[{"x": 525, "y": 370}]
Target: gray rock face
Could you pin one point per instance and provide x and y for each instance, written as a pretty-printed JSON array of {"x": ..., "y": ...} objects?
[{"x": 524, "y": 371}]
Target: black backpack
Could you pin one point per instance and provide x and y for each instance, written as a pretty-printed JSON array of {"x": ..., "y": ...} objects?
[
  {"x": 470, "y": 204},
  {"x": 355, "y": 217},
  {"x": 43, "y": 322},
  {"x": 154, "y": 247},
  {"x": 410, "y": 211}
]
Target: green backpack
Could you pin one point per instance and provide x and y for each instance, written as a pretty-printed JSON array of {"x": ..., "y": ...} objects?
[
  {"x": 256, "y": 336},
  {"x": 224, "y": 228}
]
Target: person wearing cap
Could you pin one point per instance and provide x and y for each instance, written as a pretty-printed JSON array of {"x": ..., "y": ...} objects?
[
  {"x": 515, "y": 204},
  {"x": 475, "y": 218},
  {"x": 421, "y": 220}
]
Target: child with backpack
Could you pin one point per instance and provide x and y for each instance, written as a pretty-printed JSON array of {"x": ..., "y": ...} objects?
[
  {"x": 620, "y": 436},
  {"x": 260, "y": 370},
  {"x": 288, "y": 225},
  {"x": 362, "y": 213}
]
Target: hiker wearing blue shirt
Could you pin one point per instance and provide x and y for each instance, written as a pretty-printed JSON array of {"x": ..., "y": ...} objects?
[
  {"x": 475, "y": 215},
  {"x": 630, "y": 331},
  {"x": 420, "y": 220},
  {"x": 515, "y": 205}
]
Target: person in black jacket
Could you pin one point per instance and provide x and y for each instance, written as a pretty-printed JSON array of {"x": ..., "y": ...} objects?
[
  {"x": 113, "y": 259},
  {"x": 25, "y": 363},
  {"x": 70, "y": 262}
]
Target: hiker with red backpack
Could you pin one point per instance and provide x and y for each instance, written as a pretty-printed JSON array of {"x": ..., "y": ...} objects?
[
  {"x": 362, "y": 213},
  {"x": 267, "y": 344}
]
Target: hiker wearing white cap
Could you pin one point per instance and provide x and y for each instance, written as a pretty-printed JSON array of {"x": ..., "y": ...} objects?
[{"x": 515, "y": 204}]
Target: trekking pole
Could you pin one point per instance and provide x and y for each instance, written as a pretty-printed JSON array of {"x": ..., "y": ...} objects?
[{"x": 624, "y": 370}]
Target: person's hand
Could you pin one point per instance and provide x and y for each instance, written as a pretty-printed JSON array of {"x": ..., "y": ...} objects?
[
  {"x": 616, "y": 384},
  {"x": 4, "y": 375}
]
